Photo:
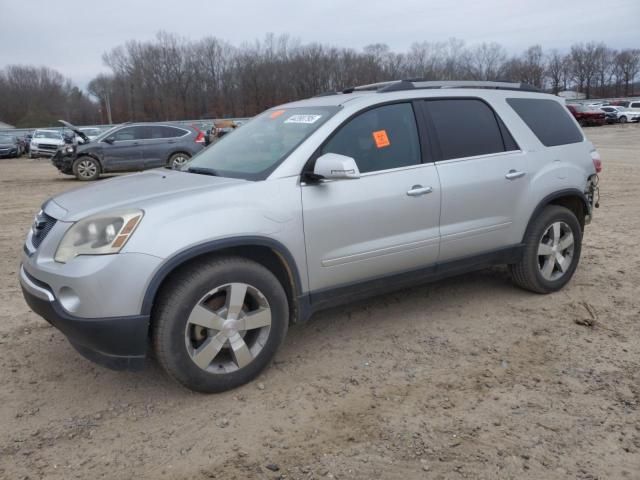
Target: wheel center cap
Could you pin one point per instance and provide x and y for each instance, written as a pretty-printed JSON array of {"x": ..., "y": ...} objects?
[{"x": 230, "y": 326}]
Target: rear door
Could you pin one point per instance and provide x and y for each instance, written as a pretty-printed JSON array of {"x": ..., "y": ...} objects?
[
  {"x": 386, "y": 221},
  {"x": 126, "y": 150},
  {"x": 162, "y": 142},
  {"x": 482, "y": 176}
]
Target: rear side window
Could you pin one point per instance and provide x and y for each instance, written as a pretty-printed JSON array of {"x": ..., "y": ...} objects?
[
  {"x": 635, "y": 105},
  {"x": 467, "y": 128},
  {"x": 379, "y": 139},
  {"x": 548, "y": 120},
  {"x": 163, "y": 131}
]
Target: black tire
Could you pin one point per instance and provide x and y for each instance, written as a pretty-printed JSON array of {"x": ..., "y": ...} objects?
[
  {"x": 528, "y": 272},
  {"x": 186, "y": 289},
  {"x": 174, "y": 160},
  {"x": 622, "y": 119},
  {"x": 86, "y": 168}
]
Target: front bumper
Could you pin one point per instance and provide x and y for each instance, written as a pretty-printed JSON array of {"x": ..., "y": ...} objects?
[
  {"x": 8, "y": 152},
  {"x": 119, "y": 343},
  {"x": 64, "y": 163}
]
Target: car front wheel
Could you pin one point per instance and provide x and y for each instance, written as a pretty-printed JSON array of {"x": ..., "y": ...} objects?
[
  {"x": 623, "y": 119},
  {"x": 552, "y": 250},
  {"x": 217, "y": 324},
  {"x": 86, "y": 169}
]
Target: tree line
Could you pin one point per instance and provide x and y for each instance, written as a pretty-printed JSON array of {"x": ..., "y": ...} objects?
[
  {"x": 35, "y": 96},
  {"x": 172, "y": 78}
]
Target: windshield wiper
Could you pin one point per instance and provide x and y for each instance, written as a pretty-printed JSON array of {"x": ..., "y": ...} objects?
[{"x": 202, "y": 171}]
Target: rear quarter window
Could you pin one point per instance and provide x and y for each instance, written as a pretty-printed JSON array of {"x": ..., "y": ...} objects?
[{"x": 548, "y": 120}]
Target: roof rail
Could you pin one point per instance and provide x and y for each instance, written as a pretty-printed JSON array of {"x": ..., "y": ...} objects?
[{"x": 399, "y": 85}]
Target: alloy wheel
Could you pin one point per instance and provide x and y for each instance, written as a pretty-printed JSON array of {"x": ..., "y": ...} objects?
[
  {"x": 228, "y": 328},
  {"x": 555, "y": 251},
  {"x": 87, "y": 169},
  {"x": 179, "y": 161}
]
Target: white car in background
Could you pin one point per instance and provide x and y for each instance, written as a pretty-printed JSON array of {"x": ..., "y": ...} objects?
[
  {"x": 90, "y": 132},
  {"x": 623, "y": 114},
  {"x": 45, "y": 143}
]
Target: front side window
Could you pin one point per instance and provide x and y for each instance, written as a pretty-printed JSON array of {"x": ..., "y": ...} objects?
[
  {"x": 467, "y": 127},
  {"x": 635, "y": 105},
  {"x": 253, "y": 151},
  {"x": 379, "y": 139},
  {"x": 125, "y": 134}
]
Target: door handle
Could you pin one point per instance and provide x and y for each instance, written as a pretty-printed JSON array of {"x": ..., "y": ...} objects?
[
  {"x": 513, "y": 174},
  {"x": 418, "y": 190}
]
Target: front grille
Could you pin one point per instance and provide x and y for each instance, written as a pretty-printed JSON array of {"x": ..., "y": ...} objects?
[
  {"x": 47, "y": 146},
  {"x": 41, "y": 228}
]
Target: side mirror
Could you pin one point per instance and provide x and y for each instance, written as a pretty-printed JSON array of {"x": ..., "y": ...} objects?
[
  {"x": 333, "y": 166},
  {"x": 109, "y": 140}
]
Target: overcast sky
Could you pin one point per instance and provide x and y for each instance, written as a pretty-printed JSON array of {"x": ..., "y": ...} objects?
[{"x": 72, "y": 35}]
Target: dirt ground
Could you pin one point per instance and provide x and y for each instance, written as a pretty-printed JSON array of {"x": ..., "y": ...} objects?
[{"x": 466, "y": 378}]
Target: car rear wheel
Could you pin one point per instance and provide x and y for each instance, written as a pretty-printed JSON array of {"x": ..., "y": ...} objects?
[
  {"x": 552, "y": 251},
  {"x": 217, "y": 324},
  {"x": 86, "y": 169},
  {"x": 177, "y": 160},
  {"x": 623, "y": 119}
]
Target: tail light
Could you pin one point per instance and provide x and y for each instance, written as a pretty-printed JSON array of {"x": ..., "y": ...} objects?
[
  {"x": 200, "y": 137},
  {"x": 597, "y": 161}
]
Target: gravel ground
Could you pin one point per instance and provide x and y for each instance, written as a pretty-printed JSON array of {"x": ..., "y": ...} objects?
[{"x": 467, "y": 378}]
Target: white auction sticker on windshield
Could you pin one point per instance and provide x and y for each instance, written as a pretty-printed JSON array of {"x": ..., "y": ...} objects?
[{"x": 303, "y": 119}]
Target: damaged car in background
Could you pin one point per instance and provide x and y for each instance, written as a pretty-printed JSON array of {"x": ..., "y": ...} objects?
[{"x": 128, "y": 148}]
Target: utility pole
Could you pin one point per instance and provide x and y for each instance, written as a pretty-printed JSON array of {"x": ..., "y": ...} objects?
[{"x": 108, "y": 105}]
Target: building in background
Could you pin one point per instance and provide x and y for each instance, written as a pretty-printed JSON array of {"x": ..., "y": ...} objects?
[{"x": 5, "y": 125}]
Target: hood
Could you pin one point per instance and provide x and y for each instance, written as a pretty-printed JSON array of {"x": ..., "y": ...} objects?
[
  {"x": 75, "y": 130},
  {"x": 131, "y": 191}
]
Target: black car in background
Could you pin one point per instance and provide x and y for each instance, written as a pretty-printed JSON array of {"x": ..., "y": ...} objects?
[
  {"x": 129, "y": 148},
  {"x": 10, "y": 146}
]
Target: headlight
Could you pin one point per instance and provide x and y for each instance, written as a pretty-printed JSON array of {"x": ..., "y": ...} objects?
[
  {"x": 69, "y": 150},
  {"x": 100, "y": 234}
]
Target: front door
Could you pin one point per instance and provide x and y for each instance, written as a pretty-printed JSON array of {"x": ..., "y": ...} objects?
[
  {"x": 386, "y": 221},
  {"x": 126, "y": 150}
]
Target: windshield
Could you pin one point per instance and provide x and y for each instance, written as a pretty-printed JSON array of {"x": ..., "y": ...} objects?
[
  {"x": 45, "y": 134},
  {"x": 6, "y": 139},
  {"x": 93, "y": 132},
  {"x": 253, "y": 151}
]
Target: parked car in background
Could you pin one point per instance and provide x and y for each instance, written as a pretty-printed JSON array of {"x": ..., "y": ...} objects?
[
  {"x": 91, "y": 132},
  {"x": 586, "y": 115},
  {"x": 45, "y": 143},
  {"x": 634, "y": 106},
  {"x": 9, "y": 146},
  {"x": 129, "y": 148},
  {"x": 218, "y": 130},
  {"x": 620, "y": 114}
]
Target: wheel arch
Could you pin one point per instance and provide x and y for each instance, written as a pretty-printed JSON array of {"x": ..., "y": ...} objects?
[
  {"x": 571, "y": 198},
  {"x": 267, "y": 252}
]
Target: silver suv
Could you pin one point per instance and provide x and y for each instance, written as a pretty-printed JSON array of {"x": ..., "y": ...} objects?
[{"x": 311, "y": 204}]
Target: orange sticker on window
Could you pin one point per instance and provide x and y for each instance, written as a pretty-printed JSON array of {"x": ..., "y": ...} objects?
[
  {"x": 276, "y": 114},
  {"x": 381, "y": 138}
]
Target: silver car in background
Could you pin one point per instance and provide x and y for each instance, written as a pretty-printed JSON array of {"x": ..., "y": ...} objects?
[{"x": 309, "y": 205}]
